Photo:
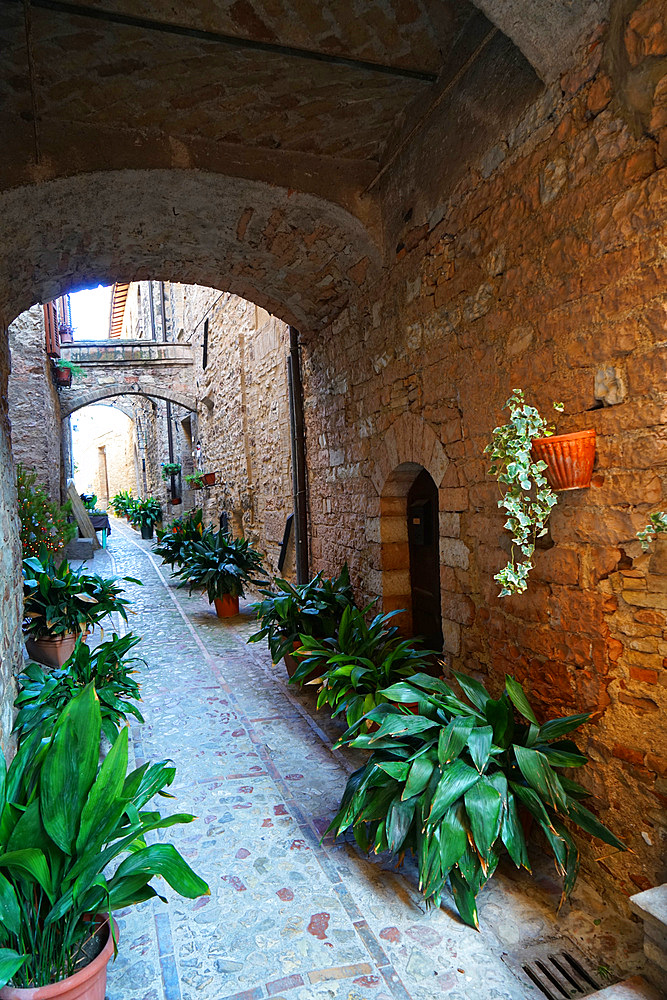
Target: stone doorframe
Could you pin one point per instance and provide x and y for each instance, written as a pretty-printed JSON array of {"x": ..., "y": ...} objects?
[{"x": 409, "y": 446}]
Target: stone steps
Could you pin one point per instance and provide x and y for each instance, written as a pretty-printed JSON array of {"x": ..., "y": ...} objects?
[{"x": 635, "y": 988}]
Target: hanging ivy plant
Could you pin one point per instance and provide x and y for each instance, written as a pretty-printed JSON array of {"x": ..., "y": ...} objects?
[{"x": 526, "y": 497}]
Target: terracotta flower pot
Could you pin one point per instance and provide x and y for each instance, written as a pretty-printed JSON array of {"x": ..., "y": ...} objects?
[
  {"x": 175, "y": 501},
  {"x": 226, "y": 606},
  {"x": 51, "y": 650},
  {"x": 209, "y": 479},
  {"x": 88, "y": 983},
  {"x": 569, "y": 459},
  {"x": 64, "y": 377}
]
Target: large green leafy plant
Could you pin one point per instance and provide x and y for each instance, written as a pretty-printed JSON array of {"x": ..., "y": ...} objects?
[
  {"x": 173, "y": 542},
  {"x": 447, "y": 783},
  {"x": 526, "y": 497},
  {"x": 44, "y": 523},
  {"x": 221, "y": 565},
  {"x": 58, "y": 599},
  {"x": 122, "y": 503},
  {"x": 44, "y": 693},
  {"x": 63, "y": 824},
  {"x": 314, "y": 608},
  {"x": 145, "y": 512},
  {"x": 358, "y": 662}
]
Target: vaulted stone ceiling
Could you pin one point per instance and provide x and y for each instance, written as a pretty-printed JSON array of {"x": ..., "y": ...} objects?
[{"x": 370, "y": 107}]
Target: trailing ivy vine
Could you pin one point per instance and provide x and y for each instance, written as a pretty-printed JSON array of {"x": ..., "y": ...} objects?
[
  {"x": 526, "y": 497},
  {"x": 657, "y": 524}
]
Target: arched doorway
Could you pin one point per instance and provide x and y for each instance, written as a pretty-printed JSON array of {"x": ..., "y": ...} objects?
[
  {"x": 411, "y": 551},
  {"x": 424, "y": 559}
]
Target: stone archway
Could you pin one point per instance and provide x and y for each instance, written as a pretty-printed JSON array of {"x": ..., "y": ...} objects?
[
  {"x": 409, "y": 447},
  {"x": 86, "y": 398}
]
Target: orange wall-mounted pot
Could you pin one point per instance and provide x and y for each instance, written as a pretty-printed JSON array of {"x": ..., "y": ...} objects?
[{"x": 569, "y": 459}]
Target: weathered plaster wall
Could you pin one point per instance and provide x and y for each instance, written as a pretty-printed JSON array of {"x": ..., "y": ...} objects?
[
  {"x": 547, "y": 272},
  {"x": 33, "y": 401},
  {"x": 104, "y": 427}
]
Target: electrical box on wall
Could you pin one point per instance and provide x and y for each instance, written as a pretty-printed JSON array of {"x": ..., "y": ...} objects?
[{"x": 419, "y": 522}]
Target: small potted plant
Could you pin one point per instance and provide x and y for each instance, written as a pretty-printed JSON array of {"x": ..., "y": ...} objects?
[
  {"x": 64, "y": 371},
  {"x": 74, "y": 824},
  {"x": 195, "y": 480},
  {"x": 60, "y": 604},
  {"x": 122, "y": 503},
  {"x": 170, "y": 469},
  {"x": 314, "y": 608},
  {"x": 448, "y": 783},
  {"x": 221, "y": 566},
  {"x": 173, "y": 542},
  {"x": 44, "y": 694},
  {"x": 146, "y": 514},
  {"x": 89, "y": 501},
  {"x": 358, "y": 662}
]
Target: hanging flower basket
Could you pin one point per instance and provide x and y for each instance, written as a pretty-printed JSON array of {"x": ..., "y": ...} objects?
[
  {"x": 569, "y": 459},
  {"x": 209, "y": 479}
]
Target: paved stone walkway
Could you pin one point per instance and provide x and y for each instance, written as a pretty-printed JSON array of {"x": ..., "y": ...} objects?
[{"x": 288, "y": 916}]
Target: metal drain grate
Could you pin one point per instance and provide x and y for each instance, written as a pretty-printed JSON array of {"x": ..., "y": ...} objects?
[{"x": 557, "y": 969}]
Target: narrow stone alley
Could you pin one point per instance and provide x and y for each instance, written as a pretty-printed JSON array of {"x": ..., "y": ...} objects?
[{"x": 290, "y": 915}]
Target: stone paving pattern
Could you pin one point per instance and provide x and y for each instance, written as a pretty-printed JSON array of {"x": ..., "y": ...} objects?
[{"x": 289, "y": 915}]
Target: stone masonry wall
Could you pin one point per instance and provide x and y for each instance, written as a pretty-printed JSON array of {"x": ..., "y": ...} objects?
[
  {"x": 33, "y": 401},
  {"x": 242, "y": 421},
  {"x": 11, "y": 590},
  {"x": 548, "y": 271}
]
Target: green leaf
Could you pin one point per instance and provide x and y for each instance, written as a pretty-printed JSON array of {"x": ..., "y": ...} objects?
[
  {"x": 475, "y": 691},
  {"x": 396, "y": 769},
  {"x": 519, "y": 700},
  {"x": 164, "y": 860},
  {"x": 584, "y": 818},
  {"x": 105, "y": 803},
  {"x": 418, "y": 778},
  {"x": 538, "y": 773},
  {"x": 484, "y": 807},
  {"x": 499, "y": 716},
  {"x": 464, "y": 898},
  {"x": 10, "y": 963},
  {"x": 31, "y": 864},
  {"x": 512, "y": 836},
  {"x": 479, "y": 746},
  {"x": 69, "y": 768},
  {"x": 399, "y": 818},
  {"x": 558, "y": 727},
  {"x": 453, "y": 738},
  {"x": 453, "y": 838},
  {"x": 10, "y": 914},
  {"x": 456, "y": 779}
]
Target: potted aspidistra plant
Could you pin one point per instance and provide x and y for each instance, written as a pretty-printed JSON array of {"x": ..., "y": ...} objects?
[
  {"x": 447, "y": 784},
  {"x": 64, "y": 825},
  {"x": 146, "y": 514},
  {"x": 61, "y": 603},
  {"x": 109, "y": 667},
  {"x": 222, "y": 567},
  {"x": 355, "y": 665},
  {"x": 314, "y": 608},
  {"x": 173, "y": 542}
]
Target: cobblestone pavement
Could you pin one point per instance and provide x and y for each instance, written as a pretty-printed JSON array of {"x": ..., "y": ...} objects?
[{"x": 289, "y": 916}]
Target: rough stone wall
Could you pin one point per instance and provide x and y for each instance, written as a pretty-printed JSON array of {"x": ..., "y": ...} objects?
[
  {"x": 243, "y": 415},
  {"x": 11, "y": 590},
  {"x": 547, "y": 272},
  {"x": 33, "y": 401}
]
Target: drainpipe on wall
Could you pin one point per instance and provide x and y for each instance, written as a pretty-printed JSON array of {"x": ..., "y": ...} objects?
[{"x": 298, "y": 440}]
